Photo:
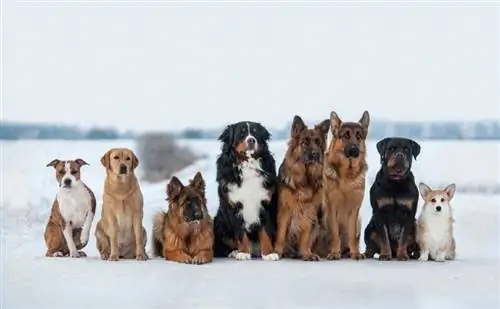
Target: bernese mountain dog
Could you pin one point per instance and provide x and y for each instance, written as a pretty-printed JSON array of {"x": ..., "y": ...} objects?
[{"x": 246, "y": 178}]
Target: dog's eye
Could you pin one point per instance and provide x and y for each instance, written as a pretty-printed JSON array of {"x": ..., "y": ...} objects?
[
  {"x": 392, "y": 148},
  {"x": 73, "y": 172},
  {"x": 127, "y": 158},
  {"x": 317, "y": 141},
  {"x": 306, "y": 141},
  {"x": 433, "y": 200},
  {"x": 62, "y": 172},
  {"x": 115, "y": 157},
  {"x": 346, "y": 135},
  {"x": 442, "y": 200},
  {"x": 405, "y": 150},
  {"x": 358, "y": 135}
]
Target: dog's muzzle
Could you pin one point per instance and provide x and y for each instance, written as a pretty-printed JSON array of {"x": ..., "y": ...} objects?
[
  {"x": 67, "y": 183},
  {"x": 352, "y": 152},
  {"x": 251, "y": 143},
  {"x": 313, "y": 157},
  {"x": 123, "y": 169},
  {"x": 438, "y": 208}
]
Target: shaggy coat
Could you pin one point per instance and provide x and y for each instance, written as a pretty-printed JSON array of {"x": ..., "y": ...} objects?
[
  {"x": 300, "y": 192},
  {"x": 184, "y": 233},
  {"x": 344, "y": 185}
]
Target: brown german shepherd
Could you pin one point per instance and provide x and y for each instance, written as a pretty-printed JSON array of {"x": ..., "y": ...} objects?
[
  {"x": 344, "y": 185},
  {"x": 184, "y": 233},
  {"x": 300, "y": 190}
]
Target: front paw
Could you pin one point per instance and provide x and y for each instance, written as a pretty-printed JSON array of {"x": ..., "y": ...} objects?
[
  {"x": 242, "y": 256},
  {"x": 423, "y": 258},
  {"x": 310, "y": 257},
  {"x": 74, "y": 254},
  {"x": 270, "y": 257},
  {"x": 357, "y": 256},
  {"x": 334, "y": 255},
  {"x": 200, "y": 260},
  {"x": 113, "y": 257},
  {"x": 402, "y": 255},
  {"x": 384, "y": 256},
  {"x": 141, "y": 256}
]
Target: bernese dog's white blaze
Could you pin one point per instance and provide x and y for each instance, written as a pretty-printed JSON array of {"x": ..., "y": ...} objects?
[{"x": 250, "y": 193}]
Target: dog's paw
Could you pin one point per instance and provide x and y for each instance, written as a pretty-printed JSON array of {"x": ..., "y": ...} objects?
[
  {"x": 57, "y": 254},
  {"x": 357, "y": 256},
  {"x": 334, "y": 256},
  {"x": 74, "y": 254},
  {"x": 402, "y": 255},
  {"x": 310, "y": 257},
  {"x": 242, "y": 256},
  {"x": 113, "y": 257},
  {"x": 270, "y": 257},
  {"x": 423, "y": 258},
  {"x": 82, "y": 254},
  {"x": 200, "y": 260},
  {"x": 141, "y": 256},
  {"x": 440, "y": 258},
  {"x": 232, "y": 254},
  {"x": 385, "y": 257},
  {"x": 368, "y": 254}
]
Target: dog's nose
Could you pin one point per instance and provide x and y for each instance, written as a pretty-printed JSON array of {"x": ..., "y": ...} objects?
[
  {"x": 354, "y": 152},
  {"x": 315, "y": 155},
  {"x": 438, "y": 208},
  {"x": 251, "y": 140},
  {"x": 67, "y": 182},
  {"x": 123, "y": 169},
  {"x": 198, "y": 215}
]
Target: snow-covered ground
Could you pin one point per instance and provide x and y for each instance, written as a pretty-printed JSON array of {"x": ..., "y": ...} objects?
[{"x": 29, "y": 280}]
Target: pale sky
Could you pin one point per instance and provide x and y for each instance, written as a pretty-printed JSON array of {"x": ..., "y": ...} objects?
[{"x": 168, "y": 68}]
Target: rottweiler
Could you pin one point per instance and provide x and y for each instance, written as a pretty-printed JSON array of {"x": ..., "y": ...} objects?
[{"x": 394, "y": 198}]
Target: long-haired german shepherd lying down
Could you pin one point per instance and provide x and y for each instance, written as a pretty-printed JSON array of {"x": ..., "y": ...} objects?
[{"x": 184, "y": 233}]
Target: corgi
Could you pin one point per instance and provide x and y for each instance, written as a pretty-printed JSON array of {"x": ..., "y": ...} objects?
[{"x": 435, "y": 224}]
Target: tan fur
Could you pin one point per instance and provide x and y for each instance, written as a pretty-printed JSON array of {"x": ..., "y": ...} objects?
[
  {"x": 300, "y": 193},
  {"x": 174, "y": 238},
  {"x": 344, "y": 187},
  {"x": 54, "y": 238},
  {"x": 120, "y": 233}
]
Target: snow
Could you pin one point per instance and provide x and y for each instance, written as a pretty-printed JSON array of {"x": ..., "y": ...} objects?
[{"x": 29, "y": 280}]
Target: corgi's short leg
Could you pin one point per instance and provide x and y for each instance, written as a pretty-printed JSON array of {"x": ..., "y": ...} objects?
[
  {"x": 450, "y": 254},
  {"x": 424, "y": 255},
  {"x": 440, "y": 256}
]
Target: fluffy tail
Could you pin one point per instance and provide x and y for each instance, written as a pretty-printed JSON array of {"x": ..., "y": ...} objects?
[{"x": 157, "y": 234}]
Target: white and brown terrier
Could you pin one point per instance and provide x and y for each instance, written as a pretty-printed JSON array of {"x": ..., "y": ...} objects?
[
  {"x": 435, "y": 224},
  {"x": 72, "y": 212}
]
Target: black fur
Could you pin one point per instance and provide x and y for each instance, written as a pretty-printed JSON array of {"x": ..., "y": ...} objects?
[
  {"x": 229, "y": 226},
  {"x": 387, "y": 195}
]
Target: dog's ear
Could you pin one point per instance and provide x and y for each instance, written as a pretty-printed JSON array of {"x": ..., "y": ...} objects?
[
  {"x": 174, "y": 188},
  {"x": 298, "y": 126},
  {"x": 415, "y": 149},
  {"x": 424, "y": 190},
  {"x": 53, "y": 163},
  {"x": 198, "y": 182},
  {"x": 227, "y": 136},
  {"x": 382, "y": 145},
  {"x": 105, "y": 159},
  {"x": 450, "y": 191},
  {"x": 81, "y": 162},
  {"x": 365, "y": 122},
  {"x": 335, "y": 123},
  {"x": 323, "y": 127},
  {"x": 135, "y": 161},
  {"x": 264, "y": 133}
]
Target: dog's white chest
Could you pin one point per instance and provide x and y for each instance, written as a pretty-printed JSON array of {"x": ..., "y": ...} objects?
[
  {"x": 74, "y": 204},
  {"x": 251, "y": 193},
  {"x": 437, "y": 233}
]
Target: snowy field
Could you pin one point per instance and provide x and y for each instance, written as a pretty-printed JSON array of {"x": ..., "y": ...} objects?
[{"x": 29, "y": 280}]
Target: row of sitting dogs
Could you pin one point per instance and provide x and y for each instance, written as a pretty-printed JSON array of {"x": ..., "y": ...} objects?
[{"x": 308, "y": 209}]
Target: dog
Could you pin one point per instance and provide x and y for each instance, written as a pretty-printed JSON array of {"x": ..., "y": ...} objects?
[
  {"x": 184, "y": 233},
  {"x": 394, "y": 199},
  {"x": 119, "y": 233},
  {"x": 246, "y": 178},
  {"x": 344, "y": 185},
  {"x": 73, "y": 210},
  {"x": 300, "y": 192},
  {"x": 435, "y": 224}
]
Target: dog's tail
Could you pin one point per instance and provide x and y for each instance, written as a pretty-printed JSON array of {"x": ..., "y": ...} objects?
[{"x": 157, "y": 234}]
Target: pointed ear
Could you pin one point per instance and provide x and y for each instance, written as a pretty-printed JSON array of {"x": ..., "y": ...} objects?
[
  {"x": 382, "y": 145},
  {"x": 135, "y": 161},
  {"x": 323, "y": 127},
  {"x": 415, "y": 149},
  {"x": 335, "y": 123},
  {"x": 365, "y": 122},
  {"x": 105, "y": 159},
  {"x": 298, "y": 126},
  {"x": 450, "y": 191},
  {"x": 227, "y": 136},
  {"x": 53, "y": 163},
  {"x": 198, "y": 182},
  {"x": 174, "y": 188},
  {"x": 81, "y": 162},
  {"x": 424, "y": 190}
]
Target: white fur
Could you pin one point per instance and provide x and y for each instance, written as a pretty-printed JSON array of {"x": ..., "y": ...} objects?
[
  {"x": 250, "y": 193},
  {"x": 434, "y": 230},
  {"x": 75, "y": 208},
  {"x": 241, "y": 256},
  {"x": 271, "y": 257}
]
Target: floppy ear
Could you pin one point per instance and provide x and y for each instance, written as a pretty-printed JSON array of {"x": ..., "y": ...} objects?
[
  {"x": 298, "y": 126},
  {"x": 382, "y": 145},
  {"x": 323, "y": 127},
  {"x": 450, "y": 191},
  {"x": 198, "y": 182},
  {"x": 81, "y": 162},
  {"x": 415, "y": 149},
  {"x": 53, "y": 163},
  {"x": 336, "y": 123},
  {"x": 424, "y": 190},
  {"x": 227, "y": 135},
  {"x": 266, "y": 135},
  {"x": 135, "y": 161},
  {"x": 365, "y": 122},
  {"x": 174, "y": 188},
  {"x": 105, "y": 159}
]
